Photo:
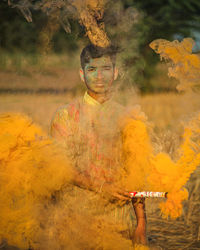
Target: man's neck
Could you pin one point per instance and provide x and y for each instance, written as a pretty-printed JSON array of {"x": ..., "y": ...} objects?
[{"x": 101, "y": 98}]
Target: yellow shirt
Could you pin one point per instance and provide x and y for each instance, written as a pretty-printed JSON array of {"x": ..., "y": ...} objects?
[{"x": 91, "y": 133}]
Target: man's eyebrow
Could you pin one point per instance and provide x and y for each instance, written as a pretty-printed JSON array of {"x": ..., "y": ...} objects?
[{"x": 107, "y": 66}]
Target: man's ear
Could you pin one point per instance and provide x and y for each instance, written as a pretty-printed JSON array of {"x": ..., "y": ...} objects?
[
  {"x": 81, "y": 75},
  {"x": 116, "y": 71}
]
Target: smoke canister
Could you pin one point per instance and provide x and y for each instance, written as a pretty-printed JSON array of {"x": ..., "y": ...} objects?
[{"x": 147, "y": 194}]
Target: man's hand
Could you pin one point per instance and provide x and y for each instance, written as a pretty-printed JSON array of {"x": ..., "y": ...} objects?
[
  {"x": 107, "y": 189},
  {"x": 140, "y": 232},
  {"x": 114, "y": 193},
  {"x": 81, "y": 180}
]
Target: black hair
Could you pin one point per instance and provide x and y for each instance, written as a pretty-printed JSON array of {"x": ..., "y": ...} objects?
[{"x": 92, "y": 51}]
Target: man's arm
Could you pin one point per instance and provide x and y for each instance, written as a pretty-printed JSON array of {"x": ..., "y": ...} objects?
[
  {"x": 140, "y": 232},
  {"x": 59, "y": 128},
  {"x": 108, "y": 190}
]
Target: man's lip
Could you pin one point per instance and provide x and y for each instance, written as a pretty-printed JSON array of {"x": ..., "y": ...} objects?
[{"x": 99, "y": 84}]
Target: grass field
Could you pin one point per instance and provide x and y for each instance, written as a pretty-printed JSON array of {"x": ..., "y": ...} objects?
[{"x": 166, "y": 110}]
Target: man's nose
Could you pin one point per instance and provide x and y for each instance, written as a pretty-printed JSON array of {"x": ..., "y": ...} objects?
[{"x": 99, "y": 74}]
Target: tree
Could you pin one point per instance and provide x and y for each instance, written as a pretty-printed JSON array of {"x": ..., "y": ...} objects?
[
  {"x": 16, "y": 34},
  {"x": 167, "y": 19}
]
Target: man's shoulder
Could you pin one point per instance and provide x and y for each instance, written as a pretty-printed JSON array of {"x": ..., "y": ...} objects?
[
  {"x": 70, "y": 110},
  {"x": 117, "y": 106}
]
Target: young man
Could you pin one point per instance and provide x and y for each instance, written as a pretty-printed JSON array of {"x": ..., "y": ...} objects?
[{"x": 90, "y": 129}]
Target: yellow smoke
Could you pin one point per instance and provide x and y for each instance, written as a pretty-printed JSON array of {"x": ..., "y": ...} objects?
[
  {"x": 38, "y": 208},
  {"x": 185, "y": 65},
  {"x": 91, "y": 13},
  {"x": 32, "y": 169},
  {"x": 144, "y": 170},
  {"x": 137, "y": 152},
  {"x": 73, "y": 230},
  {"x": 189, "y": 160}
]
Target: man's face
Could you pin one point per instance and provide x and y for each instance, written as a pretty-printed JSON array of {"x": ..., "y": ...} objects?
[{"x": 99, "y": 74}]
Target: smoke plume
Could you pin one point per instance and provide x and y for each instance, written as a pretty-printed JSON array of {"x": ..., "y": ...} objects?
[
  {"x": 185, "y": 65},
  {"x": 39, "y": 205}
]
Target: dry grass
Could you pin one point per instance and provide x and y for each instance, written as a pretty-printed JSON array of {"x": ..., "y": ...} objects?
[
  {"x": 165, "y": 111},
  {"x": 38, "y": 73}
]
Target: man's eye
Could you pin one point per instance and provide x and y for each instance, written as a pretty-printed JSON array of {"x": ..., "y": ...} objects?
[
  {"x": 91, "y": 69},
  {"x": 107, "y": 68}
]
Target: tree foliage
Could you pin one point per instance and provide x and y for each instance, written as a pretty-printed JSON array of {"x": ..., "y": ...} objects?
[
  {"x": 167, "y": 19},
  {"x": 16, "y": 34},
  {"x": 131, "y": 24}
]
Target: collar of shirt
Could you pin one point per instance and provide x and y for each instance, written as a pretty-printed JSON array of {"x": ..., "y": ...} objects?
[
  {"x": 90, "y": 100},
  {"x": 94, "y": 103}
]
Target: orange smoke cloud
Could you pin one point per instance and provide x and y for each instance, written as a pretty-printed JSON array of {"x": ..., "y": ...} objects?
[
  {"x": 187, "y": 163},
  {"x": 38, "y": 207},
  {"x": 185, "y": 66},
  {"x": 32, "y": 169},
  {"x": 144, "y": 170},
  {"x": 137, "y": 152}
]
